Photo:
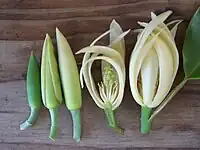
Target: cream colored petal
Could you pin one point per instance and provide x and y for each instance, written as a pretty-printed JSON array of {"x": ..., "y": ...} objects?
[
  {"x": 148, "y": 29},
  {"x": 149, "y": 76},
  {"x": 153, "y": 15},
  {"x": 172, "y": 47},
  {"x": 106, "y": 51},
  {"x": 120, "y": 77},
  {"x": 174, "y": 29},
  {"x": 143, "y": 24},
  {"x": 166, "y": 71},
  {"x": 116, "y": 31},
  {"x": 86, "y": 73},
  {"x": 100, "y": 37},
  {"x": 136, "y": 61}
]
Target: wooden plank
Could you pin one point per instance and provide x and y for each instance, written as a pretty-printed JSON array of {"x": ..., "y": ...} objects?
[
  {"x": 80, "y": 25},
  {"x": 60, "y": 147},
  {"x": 57, "y": 4},
  {"x": 29, "y": 146},
  {"x": 24, "y": 24},
  {"x": 14, "y": 58},
  {"x": 77, "y": 21},
  {"x": 175, "y": 127},
  {"x": 14, "y": 55},
  {"x": 88, "y": 11},
  {"x": 23, "y": 4},
  {"x": 36, "y": 30}
]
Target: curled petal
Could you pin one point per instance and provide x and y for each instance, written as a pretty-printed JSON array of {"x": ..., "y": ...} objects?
[
  {"x": 100, "y": 37},
  {"x": 121, "y": 74},
  {"x": 86, "y": 73},
  {"x": 136, "y": 61},
  {"x": 174, "y": 29},
  {"x": 106, "y": 51},
  {"x": 166, "y": 71}
]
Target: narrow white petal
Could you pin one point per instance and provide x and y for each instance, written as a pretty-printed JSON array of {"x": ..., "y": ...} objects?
[
  {"x": 153, "y": 15},
  {"x": 148, "y": 29},
  {"x": 106, "y": 51},
  {"x": 166, "y": 71},
  {"x": 136, "y": 61},
  {"x": 116, "y": 31},
  {"x": 85, "y": 71},
  {"x": 143, "y": 24},
  {"x": 138, "y": 30},
  {"x": 149, "y": 76},
  {"x": 120, "y": 37},
  {"x": 174, "y": 29},
  {"x": 173, "y": 22},
  {"x": 168, "y": 39},
  {"x": 100, "y": 37},
  {"x": 120, "y": 73}
]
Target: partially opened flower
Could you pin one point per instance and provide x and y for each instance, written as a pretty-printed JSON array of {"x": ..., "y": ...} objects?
[
  {"x": 153, "y": 65},
  {"x": 50, "y": 84},
  {"x": 111, "y": 89}
]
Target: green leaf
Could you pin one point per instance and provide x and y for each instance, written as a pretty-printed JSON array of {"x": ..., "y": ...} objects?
[{"x": 191, "y": 48}]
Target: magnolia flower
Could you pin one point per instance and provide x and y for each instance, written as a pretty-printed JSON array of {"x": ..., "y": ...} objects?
[
  {"x": 154, "y": 62},
  {"x": 111, "y": 89}
]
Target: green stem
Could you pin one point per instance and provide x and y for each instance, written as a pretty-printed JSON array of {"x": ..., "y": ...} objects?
[
  {"x": 111, "y": 118},
  {"x": 31, "y": 119},
  {"x": 54, "y": 122},
  {"x": 76, "y": 118},
  {"x": 145, "y": 123}
]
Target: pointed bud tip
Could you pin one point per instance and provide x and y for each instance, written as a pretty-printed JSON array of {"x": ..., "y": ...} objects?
[
  {"x": 57, "y": 31},
  {"x": 127, "y": 31},
  {"x": 47, "y": 37},
  {"x": 32, "y": 53},
  {"x": 114, "y": 21},
  {"x": 77, "y": 53}
]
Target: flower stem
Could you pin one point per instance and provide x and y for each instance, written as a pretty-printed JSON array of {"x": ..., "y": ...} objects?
[
  {"x": 145, "y": 123},
  {"x": 54, "y": 123},
  {"x": 76, "y": 118},
  {"x": 111, "y": 118},
  {"x": 31, "y": 119}
]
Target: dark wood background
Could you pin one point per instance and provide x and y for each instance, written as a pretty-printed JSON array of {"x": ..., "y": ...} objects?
[{"x": 23, "y": 25}]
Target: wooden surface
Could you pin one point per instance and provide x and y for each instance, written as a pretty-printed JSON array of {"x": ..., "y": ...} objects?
[{"x": 23, "y": 25}]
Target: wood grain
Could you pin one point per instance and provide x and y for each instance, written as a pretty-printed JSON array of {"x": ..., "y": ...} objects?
[
  {"x": 23, "y": 4},
  {"x": 177, "y": 126},
  {"x": 18, "y": 24},
  {"x": 61, "y": 147},
  {"x": 23, "y": 25}
]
